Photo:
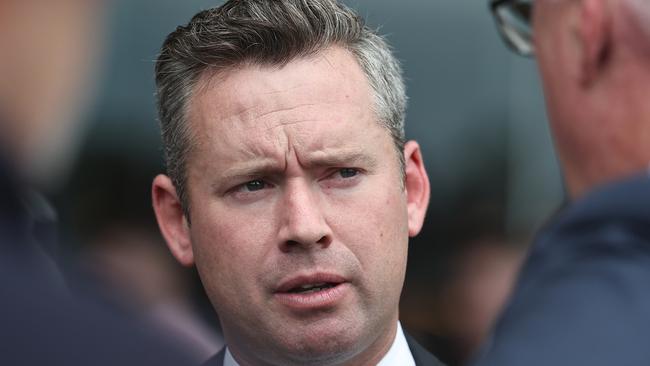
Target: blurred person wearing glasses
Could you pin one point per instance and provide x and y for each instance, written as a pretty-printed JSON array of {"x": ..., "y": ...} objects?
[
  {"x": 583, "y": 296},
  {"x": 48, "y": 52}
]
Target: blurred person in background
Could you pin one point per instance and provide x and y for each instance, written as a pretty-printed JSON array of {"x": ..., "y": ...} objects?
[
  {"x": 48, "y": 53},
  {"x": 583, "y": 296},
  {"x": 290, "y": 184},
  {"x": 452, "y": 315},
  {"x": 120, "y": 244}
]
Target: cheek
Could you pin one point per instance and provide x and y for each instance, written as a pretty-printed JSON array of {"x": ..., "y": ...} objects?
[
  {"x": 227, "y": 248},
  {"x": 389, "y": 250},
  {"x": 373, "y": 217},
  {"x": 376, "y": 231}
]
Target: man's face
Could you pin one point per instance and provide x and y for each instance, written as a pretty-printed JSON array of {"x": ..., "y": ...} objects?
[{"x": 299, "y": 222}]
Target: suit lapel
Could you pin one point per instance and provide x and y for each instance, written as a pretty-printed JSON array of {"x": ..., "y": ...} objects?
[{"x": 421, "y": 356}]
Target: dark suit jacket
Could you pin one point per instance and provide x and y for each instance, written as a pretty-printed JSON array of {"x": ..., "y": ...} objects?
[
  {"x": 421, "y": 356},
  {"x": 43, "y": 324},
  {"x": 583, "y": 297}
]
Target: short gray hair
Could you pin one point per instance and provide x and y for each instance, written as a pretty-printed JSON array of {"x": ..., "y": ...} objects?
[{"x": 267, "y": 32}]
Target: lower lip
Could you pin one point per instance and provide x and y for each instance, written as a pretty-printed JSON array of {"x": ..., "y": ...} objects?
[{"x": 313, "y": 300}]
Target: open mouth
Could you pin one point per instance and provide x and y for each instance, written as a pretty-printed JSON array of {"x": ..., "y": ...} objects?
[
  {"x": 310, "y": 288},
  {"x": 306, "y": 284},
  {"x": 313, "y": 292}
]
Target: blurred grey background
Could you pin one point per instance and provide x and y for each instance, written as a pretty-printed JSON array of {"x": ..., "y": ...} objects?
[{"x": 476, "y": 109}]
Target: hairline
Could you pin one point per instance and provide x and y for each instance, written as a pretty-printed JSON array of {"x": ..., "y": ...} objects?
[{"x": 186, "y": 58}]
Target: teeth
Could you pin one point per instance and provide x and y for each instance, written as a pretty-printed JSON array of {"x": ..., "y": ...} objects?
[
  {"x": 311, "y": 290},
  {"x": 312, "y": 287}
]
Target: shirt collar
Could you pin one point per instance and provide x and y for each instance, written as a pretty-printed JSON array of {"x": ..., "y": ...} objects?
[{"x": 398, "y": 354}]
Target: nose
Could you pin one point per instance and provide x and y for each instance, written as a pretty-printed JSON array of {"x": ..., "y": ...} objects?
[{"x": 303, "y": 223}]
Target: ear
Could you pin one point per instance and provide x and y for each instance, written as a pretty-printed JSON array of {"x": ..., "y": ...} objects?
[
  {"x": 416, "y": 183},
  {"x": 171, "y": 219},
  {"x": 594, "y": 35}
]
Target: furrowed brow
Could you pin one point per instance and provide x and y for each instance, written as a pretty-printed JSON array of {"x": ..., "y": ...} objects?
[
  {"x": 251, "y": 169},
  {"x": 342, "y": 159}
]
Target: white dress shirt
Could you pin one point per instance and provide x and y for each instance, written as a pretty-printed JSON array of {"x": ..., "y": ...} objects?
[{"x": 398, "y": 354}]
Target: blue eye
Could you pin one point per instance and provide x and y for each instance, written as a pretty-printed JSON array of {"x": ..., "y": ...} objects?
[
  {"x": 348, "y": 172},
  {"x": 255, "y": 185}
]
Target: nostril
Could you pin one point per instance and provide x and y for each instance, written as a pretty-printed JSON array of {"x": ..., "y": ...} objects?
[{"x": 324, "y": 240}]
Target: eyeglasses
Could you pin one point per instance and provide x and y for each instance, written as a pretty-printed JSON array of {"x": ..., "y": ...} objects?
[{"x": 513, "y": 18}]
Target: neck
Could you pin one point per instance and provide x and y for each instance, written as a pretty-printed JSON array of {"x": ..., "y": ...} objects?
[
  {"x": 612, "y": 141},
  {"x": 610, "y": 161}
]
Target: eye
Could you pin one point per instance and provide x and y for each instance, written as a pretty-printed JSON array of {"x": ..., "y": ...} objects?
[
  {"x": 348, "y": 172},
  {"x": 254, "y": 185},
  {"x": 251, "y": 191},
  {"x": 343, "y": 178}
]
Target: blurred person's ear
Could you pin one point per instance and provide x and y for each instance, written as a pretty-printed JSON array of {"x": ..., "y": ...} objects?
[
  {"x": 594, "y": 37},
  {"x": 171, "y": 219},
  {"x": 416, "y": 183}
]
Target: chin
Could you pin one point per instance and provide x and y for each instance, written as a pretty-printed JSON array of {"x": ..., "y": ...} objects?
[{"x": 324, "y": 345}]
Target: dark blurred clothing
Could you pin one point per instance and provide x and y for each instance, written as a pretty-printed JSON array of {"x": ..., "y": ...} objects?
[
  {"x": 41, "y": 323},
  {"x": 583, "y": 297},
  {"x": 421, "y": 356},
  {"x": 14, "y": 225}
]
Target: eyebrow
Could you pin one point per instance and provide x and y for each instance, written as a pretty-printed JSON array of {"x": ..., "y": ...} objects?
[
  {"x": 341, "y": 158},
  {"x": 268, "y": 166},
  {"x": 332, "y": 158},
  {"x": 252, "y": 168}
]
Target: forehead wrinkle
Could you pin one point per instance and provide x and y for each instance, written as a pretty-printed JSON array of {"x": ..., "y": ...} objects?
[
  {"x": 240, "y": 143},
  {"x": 251, "y": 116},
  {"x": 285, "y": 109},
  {"x": 247, "y": 110},
  {"x": 284, "y": 124},
  {"x": 284, "y": 90}
]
